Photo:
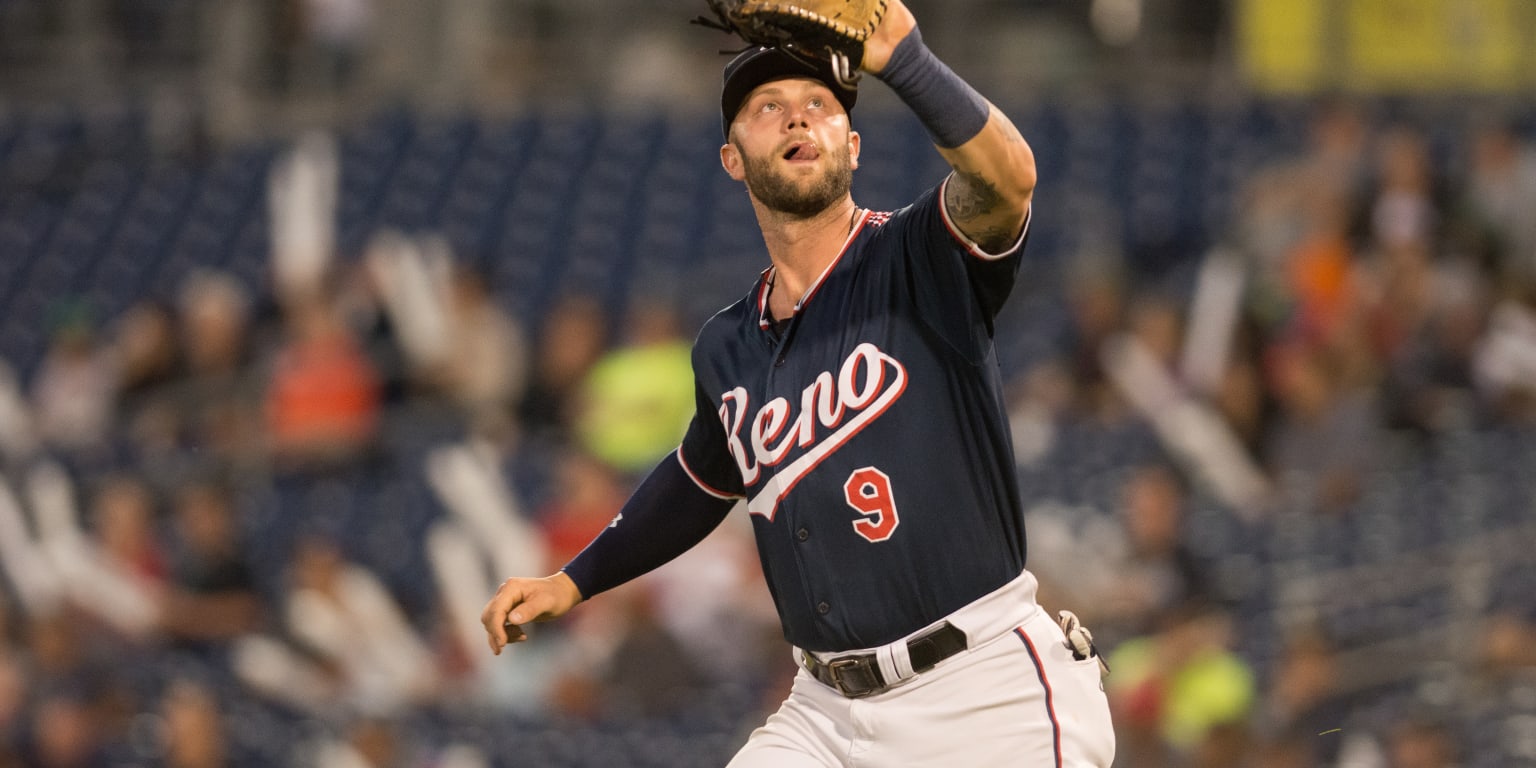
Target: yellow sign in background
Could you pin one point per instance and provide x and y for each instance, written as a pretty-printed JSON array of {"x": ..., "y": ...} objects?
[{"x": 1388, "y": 45}]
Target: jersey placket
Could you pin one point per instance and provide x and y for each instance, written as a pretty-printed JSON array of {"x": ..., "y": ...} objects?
[{"x": 793, "y": 526}]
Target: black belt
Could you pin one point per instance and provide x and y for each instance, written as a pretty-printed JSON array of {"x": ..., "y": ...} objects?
[{"x": 860, "y": 676}]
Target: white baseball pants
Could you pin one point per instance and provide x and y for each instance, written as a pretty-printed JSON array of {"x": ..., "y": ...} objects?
[{"x": 1015, "y": 697}]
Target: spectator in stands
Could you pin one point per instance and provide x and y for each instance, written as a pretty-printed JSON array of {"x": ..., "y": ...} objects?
[
  {"x": 1225, "y": 745},
  {"x": 1303, "y": 697},
  {"x": 340, "y": 611},
  {"x": 1405, "y": 205},
  {"x": 148, "y": 356},
  {"x": 1424, "y": 322},
  {"x": 1159, "y": 573},
  {"x": 1038, "y": 402},
  {"x": 217, "y": 419},
  {"x": 72, "y": 392},
  {"x": 1421, "y": 743},
  {"x": 215, "y": 311},
  {"x": 486, "y": 365},
  {"x": 637, "y": 400},
  {"x": 1401, "y": 285},
  {"x": 58, "y": 655},
  {"x": 1096, "y": 306},
  {"x": 322, "y": 399},
  {"x": 65, "y": 733},
  {"x": 650, "y": 671},
  {"x": 1157, "y": 322},
  {"x": 193, "y": 727},
  {"x": 620, "y": 661},
  {"x": 1316, "y": 190},
  {"x": 1169, "y": 689},
  {"x": 1318, "y": 450},
  {"x": 587, "y": 494},
  {"x": 1504, "y": 360},
  {"x": 1142, "y": 566},
  {"x": 1499, "y": 195},
  {"x": 572, "y": 339},
  {"x": 148, "y": 361},
  {"x": 1509, "y": 634},
  {"x": 77, "y": 705},
  {"x": 1509, "y": 641},
  {"x": 335, "y": 38},
  {"x": 1319, "y": 290},
  {"x": 212, "y": 596},
  {"x": 125, "y": 525},
  {"x": 711, "y": 598},
  {"x": 1241, "y": 397}
]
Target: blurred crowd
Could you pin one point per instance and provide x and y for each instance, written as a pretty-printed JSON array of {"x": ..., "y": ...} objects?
[
  {"x": 147, "y": 578},
  {"x": 1373, "y": 285},
  {"x": 1374, "y": 297}
]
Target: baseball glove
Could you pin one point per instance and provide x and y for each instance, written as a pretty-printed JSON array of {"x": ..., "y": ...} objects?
[{"x": 831, "y": 30}]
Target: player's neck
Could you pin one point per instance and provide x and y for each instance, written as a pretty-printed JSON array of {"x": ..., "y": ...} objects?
[{"x": 801, "y": 248}]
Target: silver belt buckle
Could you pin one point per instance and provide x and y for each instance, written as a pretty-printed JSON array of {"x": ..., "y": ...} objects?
[{"x": 847, "y": 672}]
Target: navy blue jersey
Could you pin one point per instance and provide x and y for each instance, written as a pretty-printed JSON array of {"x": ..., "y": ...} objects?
[{"x": 869, "y": 435}]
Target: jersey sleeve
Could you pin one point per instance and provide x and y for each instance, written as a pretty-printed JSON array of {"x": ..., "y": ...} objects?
[
  {"x": 665, "y": 517},
  {"x": 957, "y": 287},
  {"x": 704, "y": 454}
]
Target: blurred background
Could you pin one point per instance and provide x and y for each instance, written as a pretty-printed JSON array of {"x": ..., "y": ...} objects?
[{"x": 320, "y": 317}]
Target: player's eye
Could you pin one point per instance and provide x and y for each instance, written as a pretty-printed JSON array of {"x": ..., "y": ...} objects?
[
  {"x": 771, "y": 106},
  {"x": 817, "y": 103}
]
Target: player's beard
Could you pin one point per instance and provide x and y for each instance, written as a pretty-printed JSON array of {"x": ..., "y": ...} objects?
[{"x": 780, "y": 193}]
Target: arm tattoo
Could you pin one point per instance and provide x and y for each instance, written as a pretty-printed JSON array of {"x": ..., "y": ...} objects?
[{"x": 970, "y": 198}]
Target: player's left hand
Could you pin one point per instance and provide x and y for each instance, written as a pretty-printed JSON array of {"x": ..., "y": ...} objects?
[
  {"x": 894, "y": 27},
  {"x": 520, "y": 601}
]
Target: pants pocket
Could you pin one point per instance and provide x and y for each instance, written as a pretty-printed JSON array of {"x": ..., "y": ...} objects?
[{"x": 1078, "y": 705}]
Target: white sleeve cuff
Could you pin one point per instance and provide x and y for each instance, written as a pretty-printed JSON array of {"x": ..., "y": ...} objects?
[{"x": 970, "y": 245}]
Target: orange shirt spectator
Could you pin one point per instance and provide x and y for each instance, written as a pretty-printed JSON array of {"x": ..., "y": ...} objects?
[{"x": 323, "y": 400}]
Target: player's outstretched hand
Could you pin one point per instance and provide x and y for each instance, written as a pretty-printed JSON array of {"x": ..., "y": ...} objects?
[
  {"x": 519, "y": 601},
  {"x": 894, "y": 27}
]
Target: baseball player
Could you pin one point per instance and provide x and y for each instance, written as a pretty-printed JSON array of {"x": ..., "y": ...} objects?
[{"x": 852, "y": 399}]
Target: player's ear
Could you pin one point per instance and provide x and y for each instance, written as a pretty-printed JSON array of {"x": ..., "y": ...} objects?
[
  {"x": 854, "y": 142},
  {"x": 731, "y": 161}
]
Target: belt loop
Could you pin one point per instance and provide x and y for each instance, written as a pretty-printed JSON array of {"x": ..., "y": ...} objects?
[
  {"x": 901, "y": 658},
  {"x": 886, "y": 656}
]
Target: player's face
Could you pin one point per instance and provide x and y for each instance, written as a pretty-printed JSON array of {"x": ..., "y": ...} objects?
[{"x": 792, "y": 146}]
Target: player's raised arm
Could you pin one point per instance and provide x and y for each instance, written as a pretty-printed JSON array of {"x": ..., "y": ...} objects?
[{"x": 989, "y": 192}]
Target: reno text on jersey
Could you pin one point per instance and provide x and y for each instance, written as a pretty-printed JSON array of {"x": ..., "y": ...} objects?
[{"x": 866, "y": 385}]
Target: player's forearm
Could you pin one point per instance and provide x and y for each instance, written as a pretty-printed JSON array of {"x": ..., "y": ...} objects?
[
  {"x": 666, "y": 516},
  {"x": 994, "y": 177}
]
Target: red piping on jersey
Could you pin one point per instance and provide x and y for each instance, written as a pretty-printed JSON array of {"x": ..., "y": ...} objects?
[
  {"x": 762, "y": 295},
  {"x": 1050, "y": 704},
  {"x": 703, "y": 486},
  {"x": 763, "y": 282},
  {"x": 863, "y": 217}
]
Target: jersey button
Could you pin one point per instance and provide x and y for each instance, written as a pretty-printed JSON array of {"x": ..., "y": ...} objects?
[
  {"x": 802, "y": 534},
  {"x": 823, "y": 608}
]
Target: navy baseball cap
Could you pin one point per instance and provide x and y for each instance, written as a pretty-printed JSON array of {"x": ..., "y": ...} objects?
[{"x": 763, "y": 64}]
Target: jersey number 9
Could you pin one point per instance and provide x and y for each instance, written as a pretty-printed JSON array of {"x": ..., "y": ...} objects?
[{"x": 868, "y": 491}]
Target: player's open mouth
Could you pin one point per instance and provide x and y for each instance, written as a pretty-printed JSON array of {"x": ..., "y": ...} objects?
[{"x": 802, "y": 151}]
